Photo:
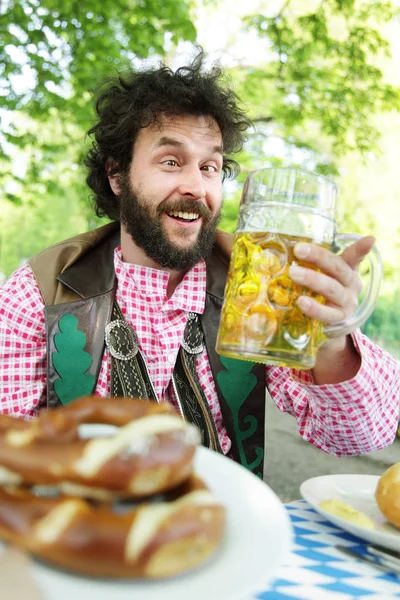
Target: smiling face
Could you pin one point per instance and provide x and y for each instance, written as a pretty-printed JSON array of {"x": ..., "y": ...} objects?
[{"x": 170, "y": 199}]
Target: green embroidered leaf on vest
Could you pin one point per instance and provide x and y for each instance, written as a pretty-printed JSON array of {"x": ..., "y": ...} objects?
[
  {"x": 71, "y": 361},
  {"x": 236, "y": 383}
]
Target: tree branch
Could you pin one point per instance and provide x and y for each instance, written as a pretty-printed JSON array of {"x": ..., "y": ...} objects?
[
  {"x": 283, "y": 8},
  {"x": 262, "y": 119}
]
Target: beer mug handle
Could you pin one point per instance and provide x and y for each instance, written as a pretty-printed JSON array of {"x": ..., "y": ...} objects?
[{"x": 365, "y": 309}]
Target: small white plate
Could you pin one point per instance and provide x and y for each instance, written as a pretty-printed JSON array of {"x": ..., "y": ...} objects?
[
  {"x": 257, "y": 542},
  {"x": 359, "y": 492}
]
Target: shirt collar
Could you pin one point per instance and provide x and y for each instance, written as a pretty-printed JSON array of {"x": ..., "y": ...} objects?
[{"x": 151, "y": 284}]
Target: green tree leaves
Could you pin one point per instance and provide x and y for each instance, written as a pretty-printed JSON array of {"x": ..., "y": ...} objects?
[
  {"x": 323, "y": 74},
  {"x": 68, "y": 48},
  {"x": 54, "y": 56}
]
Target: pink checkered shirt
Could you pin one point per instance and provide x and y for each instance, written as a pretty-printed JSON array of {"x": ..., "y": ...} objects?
[{"x": 352, "y": 417}]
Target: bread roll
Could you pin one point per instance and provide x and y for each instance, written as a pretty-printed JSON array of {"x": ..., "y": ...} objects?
[{"x": 387, "y": 494}]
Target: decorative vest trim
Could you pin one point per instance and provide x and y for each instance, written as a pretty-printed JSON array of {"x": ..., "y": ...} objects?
[{"x": 76, "y": 277}]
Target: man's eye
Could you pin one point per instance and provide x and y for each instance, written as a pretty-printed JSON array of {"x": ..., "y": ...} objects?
[
  {"x": 170, "y": 162},
  {"x": 209, "y": 168}
]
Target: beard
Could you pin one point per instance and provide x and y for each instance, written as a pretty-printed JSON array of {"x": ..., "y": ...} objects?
[{"x": 143, "y": 223}]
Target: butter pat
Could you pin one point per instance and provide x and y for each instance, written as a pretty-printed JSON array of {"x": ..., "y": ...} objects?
[{"x": 346, "y": 511}]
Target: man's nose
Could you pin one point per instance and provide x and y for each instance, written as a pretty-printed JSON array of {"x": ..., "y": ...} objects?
[{"x": 192, "y": 182}]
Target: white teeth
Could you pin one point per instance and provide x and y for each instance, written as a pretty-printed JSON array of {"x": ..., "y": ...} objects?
[{"x": 184, "y": 215}]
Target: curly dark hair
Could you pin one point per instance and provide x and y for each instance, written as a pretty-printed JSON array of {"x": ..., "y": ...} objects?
[{"x": 135, "y": 100}]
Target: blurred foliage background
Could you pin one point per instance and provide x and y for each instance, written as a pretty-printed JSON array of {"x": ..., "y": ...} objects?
[{"x": 319, "y": 78}]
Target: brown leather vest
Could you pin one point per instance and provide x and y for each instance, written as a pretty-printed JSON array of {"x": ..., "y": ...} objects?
[{"x": 77, "y": 277}]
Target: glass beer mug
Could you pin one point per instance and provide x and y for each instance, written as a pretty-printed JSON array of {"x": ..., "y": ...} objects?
[{"x": 260, "y": 319}]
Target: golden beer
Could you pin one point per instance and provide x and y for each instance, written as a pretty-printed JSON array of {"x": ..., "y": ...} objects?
[{"x": 260, "y": 319}]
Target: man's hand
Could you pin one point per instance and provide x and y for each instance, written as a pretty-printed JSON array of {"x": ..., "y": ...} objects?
[{"x": 340, "y": 284}]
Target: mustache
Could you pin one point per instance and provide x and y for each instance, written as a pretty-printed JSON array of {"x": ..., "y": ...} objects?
[{"x": 185, "y": 205}]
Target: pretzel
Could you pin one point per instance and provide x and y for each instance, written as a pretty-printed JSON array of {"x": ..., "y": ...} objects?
[
  {"x": 151, "y": 452},
  {"x": 151, "y": 540}
]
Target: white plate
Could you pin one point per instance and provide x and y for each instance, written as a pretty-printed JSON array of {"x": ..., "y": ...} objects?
[
  {"x": 359, "y": 492},
  {"x": 257, "y": 542}
]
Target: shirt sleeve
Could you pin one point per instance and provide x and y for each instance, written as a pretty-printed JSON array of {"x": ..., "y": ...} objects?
[
  {"x": 22, "y": 345},
  {"x": 353, "y": 417}
]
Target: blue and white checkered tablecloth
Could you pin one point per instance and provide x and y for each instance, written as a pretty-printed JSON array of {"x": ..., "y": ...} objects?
[{"x": 317, "y": 571}]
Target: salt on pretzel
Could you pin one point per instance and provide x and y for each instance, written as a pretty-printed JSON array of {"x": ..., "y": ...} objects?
[
  {"x": 152, "y": 540},
  {"x": 152, "y": 451}
]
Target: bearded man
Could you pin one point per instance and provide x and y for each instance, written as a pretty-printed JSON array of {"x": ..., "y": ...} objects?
[{"x": 133, "y": 308}]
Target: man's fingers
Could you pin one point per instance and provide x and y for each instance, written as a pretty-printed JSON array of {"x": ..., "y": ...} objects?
[
  {"x": 331, "y": 264},
  {"x": 355, "y": 253},
  {"x": 328, "y": 287},
  {"x": 340, "y": 267},
  {"x": 321, "y": 312},
  {"x": 336, "y": 278}
]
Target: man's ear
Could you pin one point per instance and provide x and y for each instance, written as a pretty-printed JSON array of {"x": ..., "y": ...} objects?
[
  {"x": 114, "y": 183},
  {"x": 113, "y": 177}
]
